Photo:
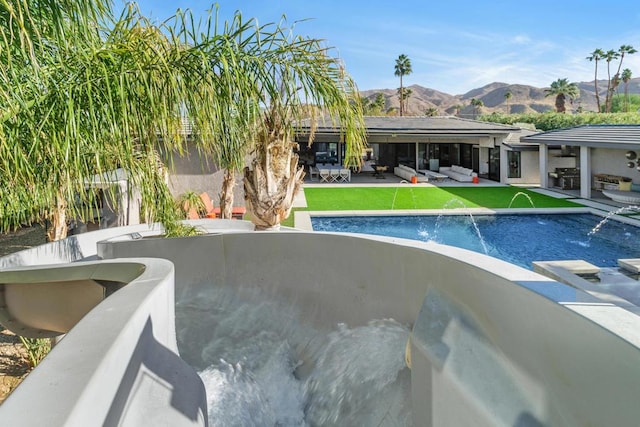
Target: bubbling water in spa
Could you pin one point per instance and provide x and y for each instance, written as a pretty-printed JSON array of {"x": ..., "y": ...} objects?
[{"x": 263, "y": 363}]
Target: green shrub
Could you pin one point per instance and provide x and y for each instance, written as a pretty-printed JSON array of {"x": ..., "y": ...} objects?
[
  {"x": 37, "y": 349},
  {"x": 552, "y": 120}
]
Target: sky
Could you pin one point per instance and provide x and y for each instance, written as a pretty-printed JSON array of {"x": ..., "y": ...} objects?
[{"x": 454, "y": 45}]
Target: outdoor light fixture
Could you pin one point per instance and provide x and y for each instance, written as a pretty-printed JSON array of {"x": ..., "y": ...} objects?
[{"x": 631, "y": 155}]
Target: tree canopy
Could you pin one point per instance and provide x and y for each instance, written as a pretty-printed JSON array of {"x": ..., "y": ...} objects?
[
  {"x": 84, "y": 92},
  {"x": 562, "y": 90}
]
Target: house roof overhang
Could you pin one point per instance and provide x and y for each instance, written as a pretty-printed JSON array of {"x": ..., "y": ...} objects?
[
  {"x": 413, "y": 129},
  {"x": 623, "y": 137}
]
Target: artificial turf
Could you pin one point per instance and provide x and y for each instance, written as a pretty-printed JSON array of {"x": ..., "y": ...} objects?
[{"x": 407, "y": 197}]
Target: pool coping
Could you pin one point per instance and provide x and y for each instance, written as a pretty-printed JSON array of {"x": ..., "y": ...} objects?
[{"x": 302, "y": 219}]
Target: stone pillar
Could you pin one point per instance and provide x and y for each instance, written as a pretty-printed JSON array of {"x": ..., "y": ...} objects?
[
  {"x": 543, "y": 154},
  {"x": 585, "y": 172}
]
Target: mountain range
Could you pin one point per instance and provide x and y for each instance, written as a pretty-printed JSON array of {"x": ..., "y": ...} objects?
[{"x": 524, "y": 99}]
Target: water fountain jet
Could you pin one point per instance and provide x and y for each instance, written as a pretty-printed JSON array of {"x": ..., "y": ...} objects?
[
  {"x": 611, "y": 214},
  {"x": 518, "y": 194},
  {"x": 471, "y": 218}
]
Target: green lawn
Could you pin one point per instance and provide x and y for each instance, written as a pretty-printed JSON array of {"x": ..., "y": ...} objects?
[
  {"x": 377, "y": 198},
  {"x": 408, "y": 197}
]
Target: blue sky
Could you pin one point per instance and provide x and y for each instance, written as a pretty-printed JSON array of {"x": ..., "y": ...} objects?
[{"x": 454, "y": 46}]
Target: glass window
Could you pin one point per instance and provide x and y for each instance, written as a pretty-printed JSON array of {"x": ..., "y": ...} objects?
[{"x": 514, "y": 164}]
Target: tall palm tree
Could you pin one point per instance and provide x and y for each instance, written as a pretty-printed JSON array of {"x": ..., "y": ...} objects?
[
  {"x": 562, "y": 90},
  {"x": 595, "y": 56},
  {"x": 615, "y": 80},
  {"x": 609, "y": 56},
  {"x": 626, "y": 77},
  {"x": 507, "y": 96},
  {"x": 402, "y": 68}
]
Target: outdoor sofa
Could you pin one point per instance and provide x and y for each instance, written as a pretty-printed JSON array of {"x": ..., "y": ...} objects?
[
  {"x": 405, "y": 172},
  {"x": 459, "y": 173}
]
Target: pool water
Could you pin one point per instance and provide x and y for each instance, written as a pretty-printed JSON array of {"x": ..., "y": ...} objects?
[{"x": 519, "y": 239}]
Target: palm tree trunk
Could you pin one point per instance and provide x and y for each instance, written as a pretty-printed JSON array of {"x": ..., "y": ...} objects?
[
  {"x": 226, "y": 195},
  {"x": 401, "y": 96},
  {"x": 595, "y": 84},
  {"x": 607, "y": 101},
  {"x": 271, "y": 185},
  {"x": 58, "y": 226},
  {"x": 560, "y": 103}
]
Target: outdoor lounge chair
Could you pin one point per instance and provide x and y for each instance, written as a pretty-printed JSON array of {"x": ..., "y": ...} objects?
[
  {"x": 208, "y": 204},
  {"x": 237, "y": 212}
]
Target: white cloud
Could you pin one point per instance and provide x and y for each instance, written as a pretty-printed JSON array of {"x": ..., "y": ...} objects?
[{"x": 521, "y": 39}]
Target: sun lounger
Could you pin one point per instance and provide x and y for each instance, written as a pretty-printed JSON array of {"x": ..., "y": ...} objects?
[
  {"x": 237, "y": 212},
  {"x": 208, "y": 205}
]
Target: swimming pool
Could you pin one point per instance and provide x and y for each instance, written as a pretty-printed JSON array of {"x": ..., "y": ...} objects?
[{"x": 519, "y": 239}]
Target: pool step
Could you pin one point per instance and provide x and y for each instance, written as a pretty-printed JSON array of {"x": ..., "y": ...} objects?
[
  {"x": 630, "y": 264},
  {"x": 578, "y": 266}
]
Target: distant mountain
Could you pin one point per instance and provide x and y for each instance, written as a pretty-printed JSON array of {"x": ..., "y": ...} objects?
[{"x": 524, "y": 98}]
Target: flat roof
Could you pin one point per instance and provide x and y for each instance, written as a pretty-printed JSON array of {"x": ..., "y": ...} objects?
[
  {"x": 416, "y": 125},
  {"x": 602, "y": 136}
]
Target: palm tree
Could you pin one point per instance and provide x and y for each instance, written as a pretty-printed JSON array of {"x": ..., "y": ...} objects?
[
  {"x": 404, "y": 96},
  {"x": 477, "y": 106},
  {"x": 609, "y": 56},
  {"x": 507, "y": 96},
  {"x": 71, "y": 94},
  {"x": 595, "y": 56},
  {"x": 615, "y": 81},
  {"x": 297, "y": 81},
  {"x": 379, "y": 103},
  {"x": 626, "y": 77},
  {"x": 402, "y": 68},
  {"x": 562, "y": 90}
]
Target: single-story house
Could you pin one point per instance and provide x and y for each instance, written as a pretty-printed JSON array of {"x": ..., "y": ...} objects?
[
  {"x": 492, "y": 150},
  {"x": 591, "y": 157}
]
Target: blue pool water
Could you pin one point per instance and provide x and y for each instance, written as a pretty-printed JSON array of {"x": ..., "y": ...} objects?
[{"x": 519, "y": 239}]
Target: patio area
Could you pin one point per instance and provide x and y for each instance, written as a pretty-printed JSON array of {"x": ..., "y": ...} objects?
[{"x": 388, "y": 178}]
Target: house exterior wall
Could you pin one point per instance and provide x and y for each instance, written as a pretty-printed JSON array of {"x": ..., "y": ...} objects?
[
  {"x": 194, "y": 173},
  {"x": 529, "y": 167}
]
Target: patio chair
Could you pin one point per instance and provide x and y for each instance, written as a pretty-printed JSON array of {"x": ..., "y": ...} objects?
[
  {"x": 314, "y": 173},
  {"x": 335, "y": 175},
  {"x": 345, "y": 175},
  {"x": 325, "y": 176}
]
